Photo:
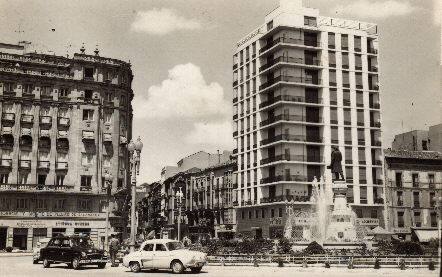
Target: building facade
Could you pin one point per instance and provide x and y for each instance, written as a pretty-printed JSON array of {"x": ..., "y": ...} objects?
[
  {"x": 420, "y": 140},
  {"x": 303, "y": 83},
  {"x": 64, "y": 126},
  {"x": 413, "y": 179}
]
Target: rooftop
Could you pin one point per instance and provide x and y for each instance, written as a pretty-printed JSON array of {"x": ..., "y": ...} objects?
[{"x": 406, "y": 154}]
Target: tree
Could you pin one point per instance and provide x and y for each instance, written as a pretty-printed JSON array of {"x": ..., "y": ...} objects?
[{"x": 314, "y": 248}]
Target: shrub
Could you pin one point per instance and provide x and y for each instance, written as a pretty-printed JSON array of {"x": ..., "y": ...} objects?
[
  {"x": 431, "y": 265},
  {"x": 8, "y": 249},
  {"x": 377, "y": 264},
  {"x": 327, "y": 264},
  {"x": 284, "y": 246},
  {"x": 314, "y": 248},
  {"x": 408, "y": 248}
]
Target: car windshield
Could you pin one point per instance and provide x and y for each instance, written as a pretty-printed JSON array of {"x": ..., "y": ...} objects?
[
  {"x": 174, "y": 245},
  {"x": 83, "y": 242}
]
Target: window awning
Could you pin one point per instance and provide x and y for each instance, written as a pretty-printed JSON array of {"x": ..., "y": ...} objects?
[{"x": 426, "y": 235}]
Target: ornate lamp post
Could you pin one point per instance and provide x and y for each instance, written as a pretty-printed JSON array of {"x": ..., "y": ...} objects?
[
  {"x": 179, "y": 195},
  {"x": 108, "y": 181},
  {"x": 134, "y": 149},
  {"x": 438, "y": 200}
]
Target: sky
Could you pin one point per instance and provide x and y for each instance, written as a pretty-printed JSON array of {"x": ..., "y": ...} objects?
[{"x": 181, "y": 56}]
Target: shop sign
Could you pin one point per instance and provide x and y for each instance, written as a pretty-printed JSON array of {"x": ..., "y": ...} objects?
[
  {"x": 367, "y": 221},
  {"x": 401, "y": 230},
  {"x": 52, "y": 214}
]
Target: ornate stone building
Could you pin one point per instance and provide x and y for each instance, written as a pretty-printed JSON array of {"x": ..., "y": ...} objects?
[{"x": 64, "y": 127}]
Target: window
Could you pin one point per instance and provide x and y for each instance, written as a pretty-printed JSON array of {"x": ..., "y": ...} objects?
[
  {"x": 374, "y": 214},
  {"x": 431, "y": 181},
  {"x": 269, "y": 27},
  {"x": 160, "y": 247},
  {"x": 424, "y": 145},
  {"x": 88, "y": 114},
  {"x": 417, "y": 219},
  {"x": 84, "y": 205},
  {"x": 331, "y": 59},
  {"x": 347, "y": 133},
  {"x": 334, "y": 135},
  {"x": 4, "y": 178},
  {"x": 59, "y": 204},
  {"x": 415, "y": 180},
  {"x": 398, "y": 179},
  {"x": 358, "y": 63},
  {"x": 256, "y": 213},
  {"x": 59, "y": 180},
  {"x": 331, "y": 41},
  {"x": 242, "y": 214},
  {"x": 348, "y": 155},
  {"x": 41, "y": 179},
  {"x": 45, "y": 111},
  {"x": 400, "y": 198},
  {"x": 359, "y": 213},
  {"x": 357, "y": 44},
  {"x": 86, "y": 159},
  {"x": 46, "y": 90},
  {"x": 332, "y": 77},
  {"x": 42, "y": 204},
  {"x": 88, "y": 72},
  {"x": 23, "y": 177},
  {"x": 346, "y": 79},
  {"x": 361, "y": 136},
  {"x": 360, "y": 117},
  {"x": 344, "y": 42},
  {"x": 250, "y": 214},
  {"x": 433, "y": 219},
  {"x": 345, "y": 62},
  {"x": 27, "y": 88},
  {"x": 333, "y": 116},
  {"x": 148, "y": 247},
  {"x": 22, "y": 204},
  {"x": 359, "y": 84},
  {"x": 333, "y": 96},
  {"x": 88, "y": 94},
  {"x": 86, "y": 181},
  {"x": 310, "y": 21},
  {"x": 280, "y": 212},
  {"x": 272, "y": 213},
  {"x": 346, "y": 97},
  {"x": 400, "y": 219},
  {"x": 363, "y": 193},
  {"x": 263, "y": 213},
  {"x": 108, "y": 116},
  {"x": 416, "y": 196},
  {"x": 361, "y": 155},
  {"x": 63, "y": 92}
]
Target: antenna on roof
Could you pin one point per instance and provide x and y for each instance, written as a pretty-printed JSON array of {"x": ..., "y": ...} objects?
[{"x": 82, "y": 49}]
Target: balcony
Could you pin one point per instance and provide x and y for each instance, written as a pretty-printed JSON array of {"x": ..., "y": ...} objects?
[
  {"x": 85, "y": 188},
  {"x": 24, "y": 164},
  {"x": 88, "y": 135},
  {"x": 376, "y": 143},
  {"x": 25, "y": 141},
  {"x": 45, "y": 165},
  {"x": 235, "y": 116},
  {"x": 378, "y": 200},
  {"x": 8, "y": 118},
  {"x": 290, "y": 98},
  {"x": 6, "y": 163},
  {"x": 45, "y": 120},
  {"x": 375, "y": 124},
  {"x": 290, "y": 118},
  {"x": 28, "y": 95},
  {"x": 291, "y": 79},
  {"x": 289, "y": 41},
  {"x": 35, "y": 188},
  {"x": 44, "y": 142},
  {"x": 235, "y": 99},
  {"x": 284, "y": 198},
  {"x": 62, "y": 166},
  {"x": 373, "y": 68},
  {"x": 291, "y": 60},
  {"x": 286, "y": 137},
  {"x": 292, "y": 158},
  {"x": 284, "y": 178},
  {"x": 235, "y": 66},
  {"x": 235, "y": 134},
  {"x": 373, "y": 86},
  {"x": 372, "y": 50},
  {"x": 27, "y": 119},
  {"x": 376, "y": 106},
  {"x": 63, "y": 121},
  {"x": 235, "y": 83}
]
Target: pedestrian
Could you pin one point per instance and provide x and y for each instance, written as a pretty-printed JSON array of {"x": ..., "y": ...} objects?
[{"x": 113, "y": 249}]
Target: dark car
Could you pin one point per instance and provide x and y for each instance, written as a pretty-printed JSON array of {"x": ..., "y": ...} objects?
[{"x": 75, "y": 251}]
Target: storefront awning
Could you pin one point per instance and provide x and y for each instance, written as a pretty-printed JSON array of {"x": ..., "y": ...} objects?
[{"x": 426, "y": 235}]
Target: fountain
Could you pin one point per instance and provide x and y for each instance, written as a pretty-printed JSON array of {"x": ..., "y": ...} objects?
[{"x": 330, "y": 221}]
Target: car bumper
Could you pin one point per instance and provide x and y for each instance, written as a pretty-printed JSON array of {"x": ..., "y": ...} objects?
[
  {"x": 94, "y": 261},
  {"x": 196, "y": 264}
]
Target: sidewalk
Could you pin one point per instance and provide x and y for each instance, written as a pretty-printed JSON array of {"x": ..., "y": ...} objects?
[{"x": 15, "y": 254}]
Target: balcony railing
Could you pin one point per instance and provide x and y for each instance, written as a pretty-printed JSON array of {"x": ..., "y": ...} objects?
[
  {"x": 285, "y": 117},
  {"x": 375, "y": 124},
  {"x": 45, "y": 120},
  {"x": 375, "y": 106},
  {"x": 291, "y": 79},
  {"x": 291, "y": 60},
  {"x": 61, "y": 165},
  {"x": 63, "y": 121},
  {"x": 35, "y": 187},
  {"x": 292, "y": 41},
  {"x": 286, "y": 178},
  {"x": 6, "y": 163},
  {"x": 286, "y": 137},
  {"x": 283, "y": 198},
  {"x": 27, "y": 118},
  {"x": 8, "y": 117},
  {"x": 290, "y": 98},
  {"x": 43, "y": 164},
  {"x": 294, "y": 158}
]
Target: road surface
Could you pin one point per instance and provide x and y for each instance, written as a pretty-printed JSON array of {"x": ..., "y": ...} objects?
[{"x": 22, "y": 266}]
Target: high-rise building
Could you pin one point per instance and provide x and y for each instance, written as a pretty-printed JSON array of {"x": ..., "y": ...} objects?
[
  {"x": 64, "y": 127},
  {"x": 303, "y": 83}
]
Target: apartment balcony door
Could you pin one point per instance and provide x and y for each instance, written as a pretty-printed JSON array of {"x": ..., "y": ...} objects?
[
  {"x": 271, "y": 152},
  {"x": 309, "y": 57},
  {"x": 312, "y": 133},
  {"x": 311, "y": 76},
  {"x": 312, "y": 172},
  {"x": 313, "y": 154},
  {"x": 271, "y": 133},
  {"x": 311, "y": 96},
  {"x": 312, "y": 114},
  {"x": 272, "y": 191},
  {"x": 272, "y": 172}
]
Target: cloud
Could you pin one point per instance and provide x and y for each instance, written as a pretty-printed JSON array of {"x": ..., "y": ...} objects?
[
  {"x": 375, "y": 9},
  {"x": 162, "y": 21},
  {"x": 184, "y": 94},
  {"x": 218, "y": 134}
]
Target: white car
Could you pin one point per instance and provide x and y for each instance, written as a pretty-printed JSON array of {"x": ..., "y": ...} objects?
[
  {"x": 164, "y": 254},
  {"x": 36, "y": 251}
]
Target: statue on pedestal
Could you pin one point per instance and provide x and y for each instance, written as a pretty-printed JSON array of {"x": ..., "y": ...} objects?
[{"x": 335, "y": 164}]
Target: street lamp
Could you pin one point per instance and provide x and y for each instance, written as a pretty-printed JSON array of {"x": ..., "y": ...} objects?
[
  {"x": 108, "y": 182},
  {"x": 438, "y": 200},
  {"x": 179, "y": 195},
  {"x": 134, "y": 149}
]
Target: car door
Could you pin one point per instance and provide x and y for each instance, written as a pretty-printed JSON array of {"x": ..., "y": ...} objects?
[
  {"x": 65, "y": 251},
  {"x": 52, "y": 250},
  {"x": 161, "y": 256},
  {"x": 147, "y": 255}
]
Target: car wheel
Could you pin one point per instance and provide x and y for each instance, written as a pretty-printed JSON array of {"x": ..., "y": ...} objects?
[
  {"x": 46, "y": 263},
  {"x": 102, "y": 265},
  {"x": 177, "y": 267},
  {"x": 196, "y": 269},
  {"x": 76, "y": 263},
  {"x": 35, "y": 261},
  {"x": 135, "y": 267}
]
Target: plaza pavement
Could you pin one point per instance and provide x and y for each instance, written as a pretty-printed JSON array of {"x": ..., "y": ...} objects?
[{"x": 22, "y": 266}]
